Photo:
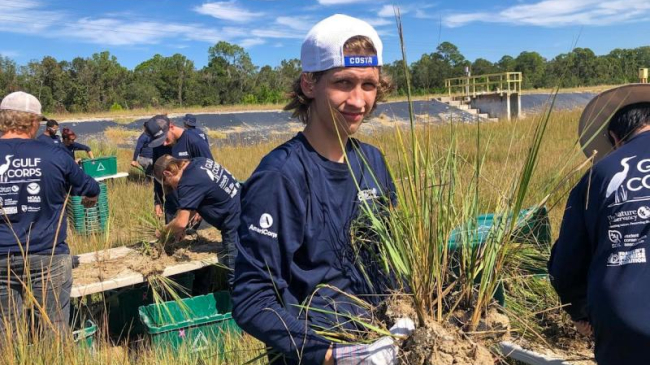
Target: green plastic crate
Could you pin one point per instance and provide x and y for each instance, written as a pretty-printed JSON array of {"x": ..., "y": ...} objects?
[
  {"x": 85, "y": 337},
  {"x": 123, "y": 313},
  {"x": 86, "y": 221},
  {"x": 203, "y": 324},
  {"x": 533, "y": 225},
  {"x": 101, "y": 166}
]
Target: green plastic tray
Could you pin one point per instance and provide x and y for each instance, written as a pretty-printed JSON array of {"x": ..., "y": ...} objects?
[{"x": 203, "y": 324}]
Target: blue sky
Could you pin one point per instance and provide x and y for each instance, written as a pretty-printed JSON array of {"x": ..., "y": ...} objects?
[{"x": 272, "y": 30}]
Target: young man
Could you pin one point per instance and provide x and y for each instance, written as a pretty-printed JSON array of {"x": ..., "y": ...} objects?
[
  {"x": 169, "y": 139},
  {"x": 190, "y": 124},
  {"x": 599, "y": 265},
  {"x": 35, "y": 179},
  {"x": 49, "y": 135},
  {"x": 71, "y": 146},
  {"x": 205, "y": 187},
  {"x": 143, "y": 154},
  {"x": 300, "y": 203}
]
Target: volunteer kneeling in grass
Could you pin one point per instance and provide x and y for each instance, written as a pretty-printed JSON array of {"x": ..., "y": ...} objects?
[
  {"x": 599, "y": 264},
  {"x": 205, "y": 187},
  {"x": 300, "y": 203},
  {"x": 35, "y": 177}
]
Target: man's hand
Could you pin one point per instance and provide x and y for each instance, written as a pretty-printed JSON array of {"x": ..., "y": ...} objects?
[
  {"x": 196, "y": 218},
  {"x": 159, "y": 210},
  {"x": 89, "y": 202},
  {"x": 135, "y": 164},
  {"x": 584, "y": 328},
  {"x": 381, "y": 352}
]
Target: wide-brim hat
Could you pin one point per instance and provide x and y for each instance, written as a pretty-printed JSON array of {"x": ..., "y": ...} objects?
[{"x": 594, "y": 122}]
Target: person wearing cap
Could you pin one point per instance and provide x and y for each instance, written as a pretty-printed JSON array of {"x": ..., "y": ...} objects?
[
  {"x": 299, "y": 204},
  {"x": 35, "y": 178},
  {"x": 49, "y": 135},
  {"x": 203, "y": 186},
  {"x": 70, "y": 144},
  {"x": 143, "y": 154},
  {"x": 599, "y": 264},
  {"x": 189, "y": 121},
  {"x": 169, "y": 139}
]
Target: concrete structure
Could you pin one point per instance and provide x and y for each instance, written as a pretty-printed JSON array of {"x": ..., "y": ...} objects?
[
  {"x": 502, "y": 106},
  {"x": 497, "y": 95}
]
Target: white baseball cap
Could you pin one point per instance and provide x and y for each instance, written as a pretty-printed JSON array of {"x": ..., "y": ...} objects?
[
  {"x": 22, "y": 102},
  {"x": 322, "y": 49}
]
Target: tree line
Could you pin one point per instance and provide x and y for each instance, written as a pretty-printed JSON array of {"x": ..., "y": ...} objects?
[{"x": 100, "y": 83}]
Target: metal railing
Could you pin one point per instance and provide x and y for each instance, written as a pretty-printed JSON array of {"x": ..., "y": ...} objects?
[{"x": 506, "y": 82}]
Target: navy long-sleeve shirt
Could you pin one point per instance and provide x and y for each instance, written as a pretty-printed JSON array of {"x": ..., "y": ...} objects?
[
  {"x": 142, "y": 148},
  {"x": 76, "y": 146},
  {"x": 297, "y": 212},
  {"x": 200, "y": 133},
  {"x": 187, "y": 147},
  {"x": 34, "y": 181},
  {"x": 55, "y": 139},
  {"x": 598, "y": 264},
  {"x": 211, "y": 190}
]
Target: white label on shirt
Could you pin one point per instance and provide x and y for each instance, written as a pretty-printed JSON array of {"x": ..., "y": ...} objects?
[{"x": 627, "y": 257}]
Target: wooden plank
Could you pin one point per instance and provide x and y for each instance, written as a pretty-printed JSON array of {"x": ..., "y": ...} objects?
[
  {"x": 111, "y": 253},
  {"x": 128, "y": 277},
  {"x": 116, "y": 176}
]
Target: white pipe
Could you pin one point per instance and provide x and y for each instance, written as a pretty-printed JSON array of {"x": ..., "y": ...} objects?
[{"x": 513, "y": 351}]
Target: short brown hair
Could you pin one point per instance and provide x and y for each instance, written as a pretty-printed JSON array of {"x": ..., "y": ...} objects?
[
  {"x": 359, "y": 46},
  {"x": 17, "y": 121}
]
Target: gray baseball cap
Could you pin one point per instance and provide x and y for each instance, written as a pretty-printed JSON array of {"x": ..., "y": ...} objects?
[
  {"x": 22, "y": 102},
  {"x": 157, "y": 128}
]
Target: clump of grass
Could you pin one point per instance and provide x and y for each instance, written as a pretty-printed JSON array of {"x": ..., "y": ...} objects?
[
  {"x": 117, "y": 135},
  {"x": 214, "y": 134}
]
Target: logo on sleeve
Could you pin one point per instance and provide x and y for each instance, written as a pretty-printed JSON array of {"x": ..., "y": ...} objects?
[{"x": 266, "y": 221}]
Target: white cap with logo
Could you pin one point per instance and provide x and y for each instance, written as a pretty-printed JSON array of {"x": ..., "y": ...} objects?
[
  {"x": 22, "y": 102},
  {"x": 322, "y": 49}
]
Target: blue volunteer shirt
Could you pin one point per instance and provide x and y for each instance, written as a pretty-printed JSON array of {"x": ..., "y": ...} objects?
[
  {"x": 34, "y": 181},
  {"x": 200, "y": 133},
  {"x": 76, "y": 146},
  {"x": 599, "y": 263},
  {"x": 187, "y": 147},
  {"x": 297, "y": 212},
  {"x": 142, "y": 147},
  {"x": 55, "y": 139},
  {"x": 211, "y": 190}
]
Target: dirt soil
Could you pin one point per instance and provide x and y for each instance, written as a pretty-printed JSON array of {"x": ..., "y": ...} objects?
[
  {"x": 564, "y": 340},
  {"x": 446, "y": 343},
  {"x": 201, "y": 246}
]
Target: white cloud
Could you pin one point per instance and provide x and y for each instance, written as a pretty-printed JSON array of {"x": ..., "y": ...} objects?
[
  {"x": 421, "y": 14},
  {"x": 250, "y": 42},
  {"x": 379, "y": 22},
  {"x": 389, "y": 11},
  {"x": 556, "y": 13},
  {"x": 9, "y": 53},
  {"x": 276, "y": 33},
  {"x": 27, "y": 17},
  {"x": 227, "y": 10},
  {"x": 300, "y": 23},
  {"x": 127, "y": 29},
  {"x": 340, "y": 2}
]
